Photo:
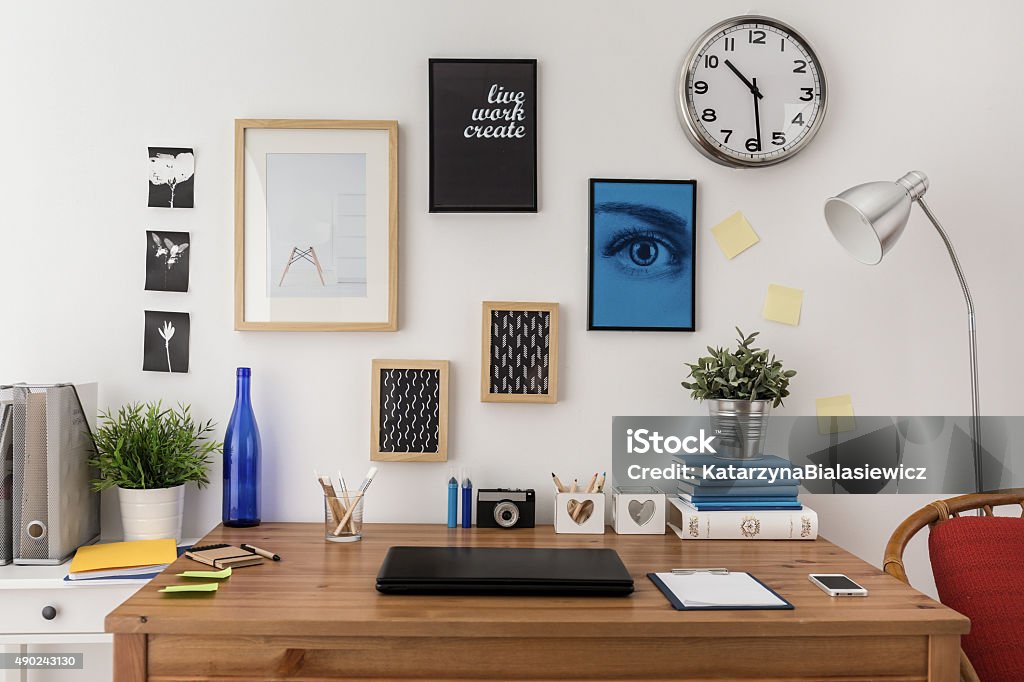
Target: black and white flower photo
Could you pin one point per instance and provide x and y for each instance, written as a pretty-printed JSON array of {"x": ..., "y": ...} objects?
[
  {"x": 166, "y": 341},
  {"x": 171, "y": 177},
  {"x": 167, "y": 258}
]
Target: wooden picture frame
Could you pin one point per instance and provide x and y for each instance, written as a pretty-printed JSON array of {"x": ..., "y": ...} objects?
[
  {"x": 305, "y": 189},
  {"x": 536, "y": 380},
  {"x": 395, "y": 434}
]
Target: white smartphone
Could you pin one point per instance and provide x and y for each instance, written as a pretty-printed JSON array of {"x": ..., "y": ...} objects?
[{"x": 837, "y": 585}]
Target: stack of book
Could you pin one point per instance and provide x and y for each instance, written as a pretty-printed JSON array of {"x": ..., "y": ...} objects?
[
  {"x": 742, "y": 499},
  {"x": 121, "y": 562}
]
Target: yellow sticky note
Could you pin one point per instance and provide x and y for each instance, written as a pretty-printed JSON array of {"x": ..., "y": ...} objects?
[
  {"x": 734, "y": 235},
  {"x": 191, "y": 587},
  {"x": 213, "y": 575},
  {"x": 782, "y": 304},
  {"x": 835, "y": 414}
]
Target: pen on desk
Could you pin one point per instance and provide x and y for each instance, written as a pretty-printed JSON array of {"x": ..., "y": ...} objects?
[
  {"x": 467, "y": 500},
  {"x": 262, "y": 552},
  {"x": 689, "y": 571}
]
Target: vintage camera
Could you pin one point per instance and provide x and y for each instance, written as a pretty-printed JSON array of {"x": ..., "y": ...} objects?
[{"x": 505, "y": 508}]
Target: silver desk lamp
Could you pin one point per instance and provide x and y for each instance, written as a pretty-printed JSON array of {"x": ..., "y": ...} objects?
[{"x": 868, "y": 220}]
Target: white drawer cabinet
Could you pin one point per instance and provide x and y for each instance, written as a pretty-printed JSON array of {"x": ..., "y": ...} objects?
[
  {"x": 28, "y": 594},
  {"x": 60, "y": 609}
]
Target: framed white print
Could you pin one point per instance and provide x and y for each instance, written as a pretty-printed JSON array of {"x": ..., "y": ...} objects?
[{"x": 316, "y": 225}]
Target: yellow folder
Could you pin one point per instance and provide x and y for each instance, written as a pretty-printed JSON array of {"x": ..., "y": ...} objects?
[{"x": 124, "y": 555}]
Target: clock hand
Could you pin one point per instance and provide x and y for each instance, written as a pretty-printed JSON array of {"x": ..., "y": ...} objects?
[
  {"x": 751, "y": 86},
  {"x": 757, "y": 114}
]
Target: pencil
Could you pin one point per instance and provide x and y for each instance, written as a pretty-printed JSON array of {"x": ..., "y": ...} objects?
[
  {"x": 344, "y": 491},
  {"x": 600, "y": 483},
  {"x": 337, "y": 508},
  {"x": 558, "y": 483},
  {"x": 573, "y": 505},
  {"x": 591, "y": 487},
  {"x": 348, "y": 514}
]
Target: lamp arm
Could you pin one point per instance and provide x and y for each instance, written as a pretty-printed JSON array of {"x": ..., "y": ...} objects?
[{"x": 973, "y": 340}]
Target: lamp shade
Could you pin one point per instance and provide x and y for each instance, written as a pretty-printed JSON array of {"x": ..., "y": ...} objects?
[{"x": 868, "y": 219}]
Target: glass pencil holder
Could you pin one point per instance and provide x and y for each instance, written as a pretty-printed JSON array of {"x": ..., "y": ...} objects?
[{"x": 343, "y": 518}]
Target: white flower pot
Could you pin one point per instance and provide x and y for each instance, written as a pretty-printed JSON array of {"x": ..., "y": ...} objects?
[{"x": 152, "y": 514}]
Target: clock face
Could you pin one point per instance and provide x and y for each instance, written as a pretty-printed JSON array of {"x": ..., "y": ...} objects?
[{"x": 752, "y": 92}]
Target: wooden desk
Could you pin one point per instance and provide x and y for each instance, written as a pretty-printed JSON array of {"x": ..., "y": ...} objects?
[{"x": 316, "y": 615}]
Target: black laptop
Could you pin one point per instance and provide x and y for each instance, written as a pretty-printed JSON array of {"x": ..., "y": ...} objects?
[{"x": 503, "y": 571}]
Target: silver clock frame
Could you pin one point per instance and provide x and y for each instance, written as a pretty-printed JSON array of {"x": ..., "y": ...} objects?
[{"x": 686, "y": 116}]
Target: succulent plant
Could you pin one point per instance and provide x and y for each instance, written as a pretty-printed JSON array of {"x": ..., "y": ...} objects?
[{"x": 746, "y": 373}]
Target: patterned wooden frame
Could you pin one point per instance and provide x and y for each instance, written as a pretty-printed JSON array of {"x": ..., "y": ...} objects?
[
  {"x": 442, "y": 415},
  {"x": 485, "y": 393}
]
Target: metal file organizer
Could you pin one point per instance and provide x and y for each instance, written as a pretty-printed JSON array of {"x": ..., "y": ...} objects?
[
  {"x": 6, "y": 478},
  {"x": 53, "y": 509}
]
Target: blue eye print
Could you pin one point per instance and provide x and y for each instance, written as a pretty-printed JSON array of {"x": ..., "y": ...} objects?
[{"x": 641, "y": 252}]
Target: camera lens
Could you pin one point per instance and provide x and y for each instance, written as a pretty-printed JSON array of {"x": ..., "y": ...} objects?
[{"x": 506, "y": 514}]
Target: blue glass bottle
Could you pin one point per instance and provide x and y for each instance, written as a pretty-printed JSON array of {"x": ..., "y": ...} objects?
[{"x": 242, "y": 460}]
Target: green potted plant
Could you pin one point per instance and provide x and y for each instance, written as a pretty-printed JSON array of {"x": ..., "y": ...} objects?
[
  {"x": 740, "y": 386},
  {"x": 149, "y": 453}
]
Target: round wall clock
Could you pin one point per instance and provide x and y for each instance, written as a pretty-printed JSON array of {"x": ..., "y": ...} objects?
[{"x": 752, "y": 92}]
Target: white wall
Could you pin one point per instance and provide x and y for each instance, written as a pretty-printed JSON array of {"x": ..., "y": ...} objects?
[{"x": 923, "y": 84}]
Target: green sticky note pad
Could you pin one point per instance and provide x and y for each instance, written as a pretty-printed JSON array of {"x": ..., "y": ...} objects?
[
  {"x": 198, "y": 587},
  {"x": 213, "y": 575}
]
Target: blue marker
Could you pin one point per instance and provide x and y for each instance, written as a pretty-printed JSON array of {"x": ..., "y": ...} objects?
[
  {"x": 467, "y": 500},
  {"x": 453, "y": 501}
]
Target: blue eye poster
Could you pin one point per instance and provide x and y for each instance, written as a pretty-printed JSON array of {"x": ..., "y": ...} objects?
[{"x": 642, "y": 255}]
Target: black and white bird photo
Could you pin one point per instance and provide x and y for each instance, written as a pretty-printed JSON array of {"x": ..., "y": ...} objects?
[
  {"x": 171, "y": 177},
  {"x": 167, "y": 258},
  {"x": 166, "y": 341}
]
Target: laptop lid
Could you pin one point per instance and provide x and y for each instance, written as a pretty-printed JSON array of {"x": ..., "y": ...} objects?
[{"x": 503, "y": 570}]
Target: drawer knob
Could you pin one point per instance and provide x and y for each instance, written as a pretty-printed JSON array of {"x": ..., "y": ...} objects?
[{"x": 49, "y": 612}]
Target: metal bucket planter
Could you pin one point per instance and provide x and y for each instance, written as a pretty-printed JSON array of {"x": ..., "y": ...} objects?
[{"x": 740, "y": 427}]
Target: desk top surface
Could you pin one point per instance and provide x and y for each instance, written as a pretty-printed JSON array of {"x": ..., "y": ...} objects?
[{"x": 328, "y": 589}]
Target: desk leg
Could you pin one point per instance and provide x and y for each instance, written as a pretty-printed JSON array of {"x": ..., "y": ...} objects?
[
  {"x": 944, "y": 658},
  {"x": 129, "y": 658}
]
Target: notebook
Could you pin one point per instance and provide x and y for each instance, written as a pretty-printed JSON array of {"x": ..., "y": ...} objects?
[
  {"x": 116, "y": 556},
  {"x": 714, "y": 592},
  {"x": 222, "y": 556}
]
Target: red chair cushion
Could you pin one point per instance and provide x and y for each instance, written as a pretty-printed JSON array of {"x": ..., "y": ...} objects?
[{"x": 978, "y": 563}]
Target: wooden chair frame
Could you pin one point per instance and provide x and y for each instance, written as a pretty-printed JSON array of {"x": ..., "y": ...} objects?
[{"x": 937, "y": 512}]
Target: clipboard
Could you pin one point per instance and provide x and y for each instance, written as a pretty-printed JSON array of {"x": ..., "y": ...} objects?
[{"x": 679, "y": 605}]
